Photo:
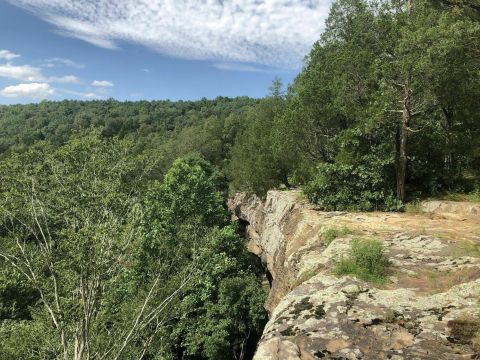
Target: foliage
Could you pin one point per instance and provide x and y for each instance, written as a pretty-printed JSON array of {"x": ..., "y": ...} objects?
[
  {"x": 256, "y": 164},
  {"x": 189, "y": 197},
  {"x": 68, "y": 218},
  {"x": 414, "y": 207},
  {"x": 221, "y": 308},
  {"x": 107, "y": 249},
  {"x": 473, "y": 196},
  {"x": 389, "y": 316},
  {"x": 348, "y": 187},
  {"x": 156, "y": 121},
  {"x": 221, "y": 312},
  {"x": 366, "y": 260},
  {"x": 93, "y": 267},
  {"x": 388, "y": 91},
  {"x": 331, "y": 234},
  {"x": 25, "y": 340}
]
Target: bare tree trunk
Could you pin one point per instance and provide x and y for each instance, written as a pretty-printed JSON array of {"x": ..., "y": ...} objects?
[
  {"x": 404, "y": 129},
  {"x": 450, "y": 158},
  {"x": 402, "y": 161},
  {"x": 396, "y": 147}
]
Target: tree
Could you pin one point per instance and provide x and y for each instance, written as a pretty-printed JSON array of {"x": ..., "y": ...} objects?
[
  {"x": 68, "y": 224},
  {"x": 389, "y": 86},
  {"x": 256, "y": 163},
  {"x": 221, "y": 310},
  {"x": 453, "y": 68},
  {"x": 189, "y": 197},
  {"x": 430, "y": 71},
  {"x": 335, "y": 90},
  {"x": 466, "y": 4},
  {"x": 221, "y": 313}
]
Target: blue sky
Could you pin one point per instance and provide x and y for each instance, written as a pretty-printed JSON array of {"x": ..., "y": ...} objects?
[{"x": 152, "y": 49}]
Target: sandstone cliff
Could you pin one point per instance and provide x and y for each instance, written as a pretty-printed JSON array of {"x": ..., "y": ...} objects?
[{"x": 427, "y": 310}]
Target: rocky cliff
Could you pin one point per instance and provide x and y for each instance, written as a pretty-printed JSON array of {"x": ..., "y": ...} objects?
[{"x": 427, "y": 310}]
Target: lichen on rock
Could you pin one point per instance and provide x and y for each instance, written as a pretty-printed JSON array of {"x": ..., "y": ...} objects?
[{"x": 315, "y": 314}]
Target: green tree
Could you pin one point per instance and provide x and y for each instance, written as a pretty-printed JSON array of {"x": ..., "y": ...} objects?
[
  {"x": 430, "y": 71},
  {"x": 335, "y": 90},
  {"x": 68, "y": 220},
  {"x": 221, "y": 313},
  {"x": 185, "y": 222},
  {"x": 256, "y": 163},
  {"x": 190, "y": 197}
]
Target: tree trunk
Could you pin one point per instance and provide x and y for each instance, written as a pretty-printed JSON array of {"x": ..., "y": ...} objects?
[
  {"x": 402, "y": 153},
  {"x": 450, "y": 158},
  {"x": 409, "y": 7},
  {"x": 404, "y": 129}
]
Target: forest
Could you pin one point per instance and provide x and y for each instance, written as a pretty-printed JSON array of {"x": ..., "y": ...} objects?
[{"x": 115, "y": 240}]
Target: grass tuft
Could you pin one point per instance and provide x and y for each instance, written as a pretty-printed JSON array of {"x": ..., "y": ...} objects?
[
  {"x": 464, "y": 330},
  {"x": 390, "y": 316},
  {"x": 466, "y": 248},
  {"x": 366, "y": 261},
  {"x": 332, "y": 233},
  {"x": 473, "y": 196},
  {"x": 414, "y": 207}
]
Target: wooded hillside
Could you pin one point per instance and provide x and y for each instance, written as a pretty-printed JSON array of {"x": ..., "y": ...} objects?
[{"x": 115, "y": 241}]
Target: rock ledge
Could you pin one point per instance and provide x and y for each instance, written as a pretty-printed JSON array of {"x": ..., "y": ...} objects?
[{"x": 434, "y": 282}]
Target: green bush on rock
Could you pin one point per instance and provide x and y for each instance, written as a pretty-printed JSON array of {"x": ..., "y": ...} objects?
[
  {"x": 352, "y": 188},
  {"x": 366, "y": 261}
]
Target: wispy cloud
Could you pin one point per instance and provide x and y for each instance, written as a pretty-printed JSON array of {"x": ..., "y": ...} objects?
[
  {"x": 67, "y": 79},
  {"x": 54, "y": 62},
  {"x": 87, "y": 95},
  {"x": 21, "y": 72},
  {"x": 237, "y": 67},
  {"x": 36, "y": 91},
  {"x": 8, "y": 55},
  {"x": 102, "y": 83},
  {"x": 29, "y": 73},
  {"x": 269, "y": 32}
]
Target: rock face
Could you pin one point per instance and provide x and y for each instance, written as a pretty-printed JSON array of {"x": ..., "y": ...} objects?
[{"x": 427, "y": 310}]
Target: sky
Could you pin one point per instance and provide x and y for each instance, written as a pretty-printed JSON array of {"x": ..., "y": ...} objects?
[{"x": 152, "y": 49}]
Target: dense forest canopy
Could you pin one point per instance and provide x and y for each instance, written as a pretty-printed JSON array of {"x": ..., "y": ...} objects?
[
  {"x": 115, "y": 242},
  {"x": 385, "y": 109}
]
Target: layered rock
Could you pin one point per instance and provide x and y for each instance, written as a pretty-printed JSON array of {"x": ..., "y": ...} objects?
[{"x": 433, "y": 288}]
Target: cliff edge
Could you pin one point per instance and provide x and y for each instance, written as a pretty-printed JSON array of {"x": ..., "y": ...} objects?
[{"x": 428, "y": 309}]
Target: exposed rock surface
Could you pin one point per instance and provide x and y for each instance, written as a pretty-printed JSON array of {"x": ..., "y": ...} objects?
[
  {"x": 434, "y": 281},
  {"x": 451, "y": 207}
]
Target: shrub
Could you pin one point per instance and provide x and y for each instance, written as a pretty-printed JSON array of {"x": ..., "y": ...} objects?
[
  {"x": 464, "y": 330},
  {"x": 389, "y": 316},
  {"x": 332, "y": 233},
  {"x": 366, "y": 261},
  {"x": 473, "y": 195},
  {"x": 307, "y": 275},
  {"x": 466, "y": 248},
  {"x": 351, "y": 188},
  {"x": 414, "y": 207}
]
